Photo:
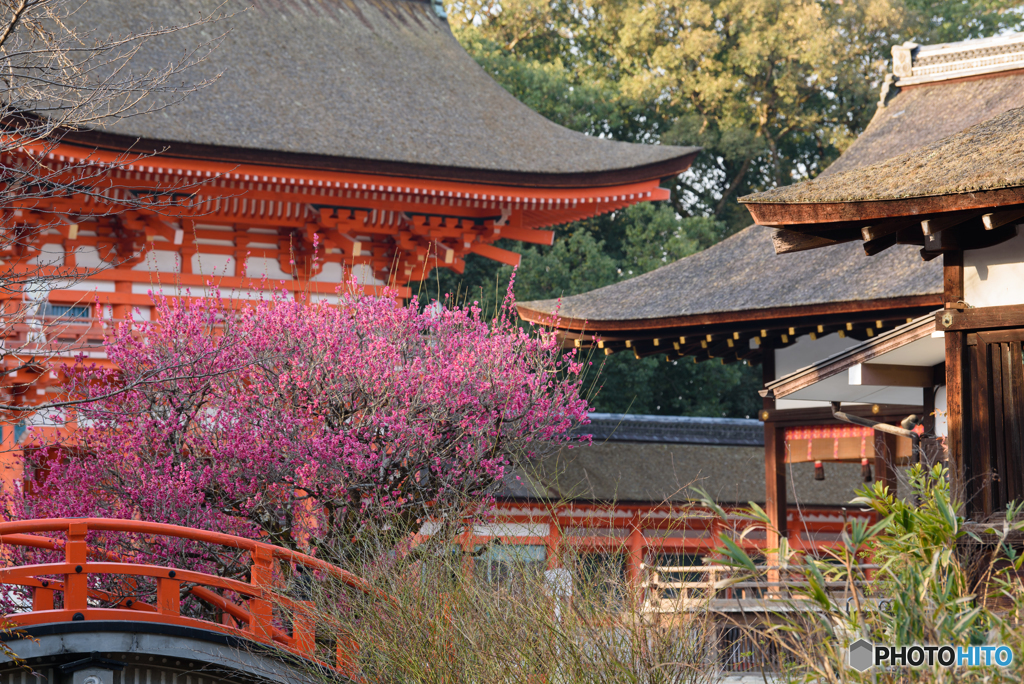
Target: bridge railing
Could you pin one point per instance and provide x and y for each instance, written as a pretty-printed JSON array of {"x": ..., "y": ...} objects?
[{"x": 252, "y": 618}]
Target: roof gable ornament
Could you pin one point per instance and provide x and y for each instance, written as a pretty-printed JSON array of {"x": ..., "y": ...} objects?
[{"x": 903, "y": 59}]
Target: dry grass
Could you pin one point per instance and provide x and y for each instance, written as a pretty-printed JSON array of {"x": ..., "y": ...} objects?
[{"x": 449, "y": 623}]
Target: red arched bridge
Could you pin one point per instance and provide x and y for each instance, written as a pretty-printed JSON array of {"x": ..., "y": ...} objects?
[{"x": 68, "y": 597}]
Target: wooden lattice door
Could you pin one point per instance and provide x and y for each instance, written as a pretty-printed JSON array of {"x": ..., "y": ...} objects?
[{"x": 995, "y": 394}]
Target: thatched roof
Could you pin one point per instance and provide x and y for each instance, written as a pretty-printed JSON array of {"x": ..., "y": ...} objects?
[
  {"x": 742, "y": 273},
  {"x": 924, "y": 114},
  {"x": 649, "y": 473},
  {"x": 742, "y": 276},
  {"x": 658, "y": 459},
  {"x": 368, "y": 85},
  {"x": 986, "y": 156}
]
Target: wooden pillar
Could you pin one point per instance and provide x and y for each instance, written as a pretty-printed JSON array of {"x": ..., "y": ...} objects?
[
  {"x": 953, "y": 279},
  {"x": 554, "y": 541},
  {"x": 122, "y": 311},
  {"x": 775, "y": 492},
  {"x": 774, "y": 459},
  {"x": 927, "y": 448},
  {"x": 775, "y": 503},
  {"x": 635, "y": 550},
  {"x": 885, "y": 455}
]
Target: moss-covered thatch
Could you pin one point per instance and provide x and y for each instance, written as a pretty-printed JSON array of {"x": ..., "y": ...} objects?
[{"x": 987, "y": 156}]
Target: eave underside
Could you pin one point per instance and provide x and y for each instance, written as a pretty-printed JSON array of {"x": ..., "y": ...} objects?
[
  {"x": 736, "y": 336},
  {"x": 937, "y": 224},
  {"x": 298, "y": 162},
  {"x": 401, "y": 227},
  {"x": 913, "y": 331}
]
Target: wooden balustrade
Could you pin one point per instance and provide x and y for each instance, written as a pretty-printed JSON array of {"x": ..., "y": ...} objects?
[
  {"x": 261, "y": 595},
  {"x": 711, "y": 591}
]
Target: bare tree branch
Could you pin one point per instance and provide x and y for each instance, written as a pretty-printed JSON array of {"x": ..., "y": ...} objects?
[{"x": 56, "y": 78}]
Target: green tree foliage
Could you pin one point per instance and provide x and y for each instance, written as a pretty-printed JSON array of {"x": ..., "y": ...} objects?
[{"x": 773, "y": 90}]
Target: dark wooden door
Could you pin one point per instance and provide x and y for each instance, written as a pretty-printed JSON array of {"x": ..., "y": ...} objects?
[{"x": 995, "y": 463}]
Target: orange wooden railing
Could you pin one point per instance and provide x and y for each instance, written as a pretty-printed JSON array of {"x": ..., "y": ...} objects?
[{"x": 256, "y": 615}]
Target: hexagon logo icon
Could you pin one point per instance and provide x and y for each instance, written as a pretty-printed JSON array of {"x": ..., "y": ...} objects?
[{"x": 861, "y": 655}]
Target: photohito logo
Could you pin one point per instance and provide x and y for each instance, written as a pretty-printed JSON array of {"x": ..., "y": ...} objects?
[{"x": 864, "y": 655}]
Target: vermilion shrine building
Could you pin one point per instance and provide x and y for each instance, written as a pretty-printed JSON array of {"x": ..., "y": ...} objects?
[
  {"x": 365, "y": 124},
  {"x": 361, "y": 126}
]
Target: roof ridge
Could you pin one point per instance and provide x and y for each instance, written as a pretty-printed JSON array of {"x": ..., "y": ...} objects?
[
  {"x": 621, "y": 427},
  {"x": 914, "y": 64}
]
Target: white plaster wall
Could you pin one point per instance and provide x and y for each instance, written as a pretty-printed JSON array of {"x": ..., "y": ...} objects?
[
  {"x": 364, "y": 274},
  {"x": 96, "y": 285},
  {"x": 175, "y": 290},
  {"x": 498, "y": 529},
  {"x": 89, "y": 257},
  {"x": 995, "y": 276},
  {"x": 941, "y": 426},
  {"x": 213, "y": 264},
  {"x": 805, "y": 352},
  {"x": 160, "y": 260},
  {"x": 330, "y": 299},
  {"x": 332, "y": 272},
  {"x": 507, "y": 529},
  {"x": 50, "y": 254},
  {"x": 258, "y": 267}
]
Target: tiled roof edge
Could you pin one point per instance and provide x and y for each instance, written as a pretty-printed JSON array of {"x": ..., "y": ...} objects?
[{"x": 621, "y": 427}]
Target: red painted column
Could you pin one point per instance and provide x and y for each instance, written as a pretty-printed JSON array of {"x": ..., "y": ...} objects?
[
  {"x": 635, "y": 549},
  {"x": 76, "y": 584},
  {"x": 554, "y": 541}
]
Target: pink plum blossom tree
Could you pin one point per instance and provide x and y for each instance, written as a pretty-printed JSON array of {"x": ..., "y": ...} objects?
[{"x": 313, "y": 425}]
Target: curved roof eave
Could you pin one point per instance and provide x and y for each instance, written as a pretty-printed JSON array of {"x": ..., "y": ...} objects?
[
  {"x": 599, "y": 178},
  {"x": 741, "y": 279}
]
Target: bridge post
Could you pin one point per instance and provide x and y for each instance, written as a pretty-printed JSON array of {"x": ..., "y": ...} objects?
[
  {"x": 347, "y": 653},
  {"x": 42, "y": 598},
  {"x": 304, "y": 627},
  {"x": 262, "y": 573},
  {"x": 168, "y": 596},
  {"x": 76, "y": 583}
]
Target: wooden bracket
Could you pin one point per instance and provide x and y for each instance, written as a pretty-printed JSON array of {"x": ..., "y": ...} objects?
[
  {"x": 788, "y": 241},
  {"x": 988, "y": 317}
]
